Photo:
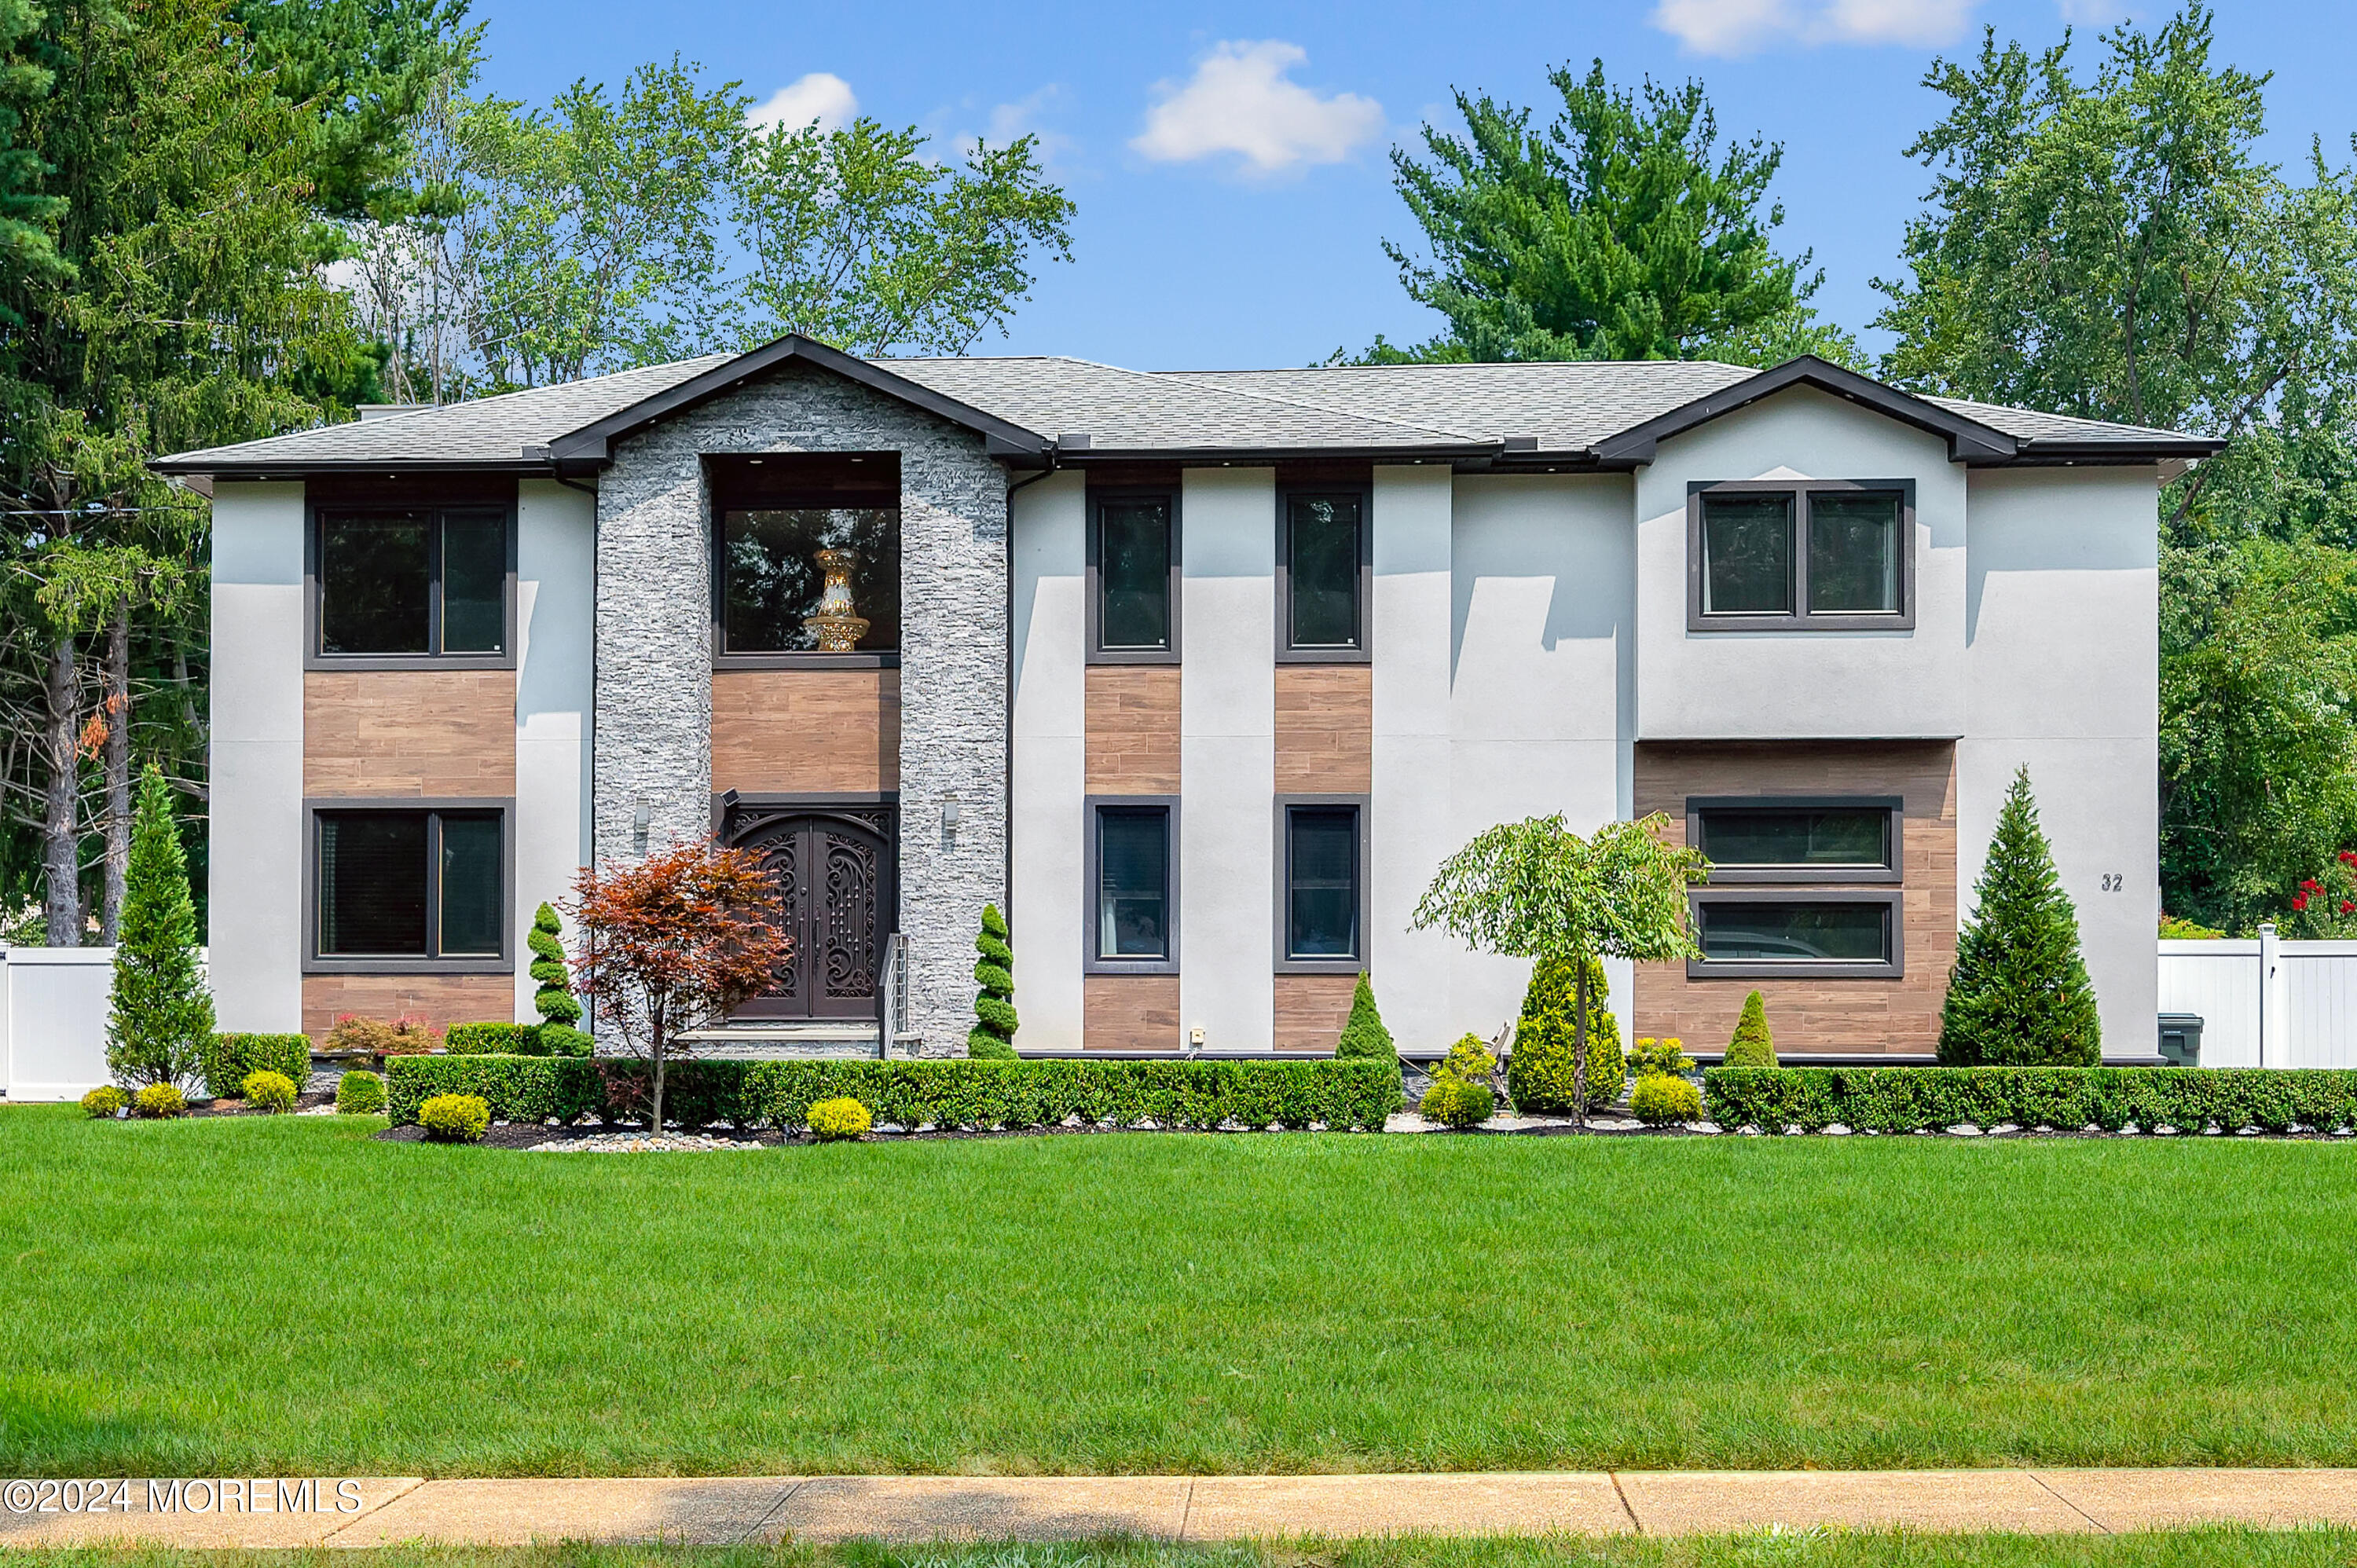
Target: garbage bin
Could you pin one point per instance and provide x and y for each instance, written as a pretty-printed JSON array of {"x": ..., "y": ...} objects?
[{"x": 2180, "y": 1038}]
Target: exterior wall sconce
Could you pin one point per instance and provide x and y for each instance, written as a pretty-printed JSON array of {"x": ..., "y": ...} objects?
[
  {"x": 641, "y": 821},
  {"x": 950, "y": 815}
]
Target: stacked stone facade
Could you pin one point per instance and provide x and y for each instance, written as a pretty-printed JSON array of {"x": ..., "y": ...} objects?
[{"x": 653, "y": 724}]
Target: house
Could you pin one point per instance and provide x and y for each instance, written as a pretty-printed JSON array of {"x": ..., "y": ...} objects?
[{"x": 1198, "y": 675}]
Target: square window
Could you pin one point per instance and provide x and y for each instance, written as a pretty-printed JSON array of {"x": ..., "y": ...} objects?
[
  {"x": 1133, "y": 902},
  {"x": 1133, "y": 559},
  {"x": 1321, "y": 882},
  {"x": 774, "y": 567},
  {"x": 1324, "y": 544},
  {"x": 1747, "y": 551},
  {"x": 411, "y": 885},
  {"x": 1854, "y": 553},
  {"x": 413, "y": 584}
]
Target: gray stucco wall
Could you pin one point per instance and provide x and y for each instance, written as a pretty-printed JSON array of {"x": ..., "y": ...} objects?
[{"x": 653, "y": 722}]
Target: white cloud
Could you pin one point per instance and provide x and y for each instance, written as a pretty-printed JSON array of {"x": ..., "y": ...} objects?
[
  {"x": 2092, "y": 13},
  {"x": 1729, "y": 28},
  {"x": 1723, "y": 26},
  {"x": 821, "y": 96},
  {"x": 1897, "y": 21},
  {"x": 1239, "y": 100}
]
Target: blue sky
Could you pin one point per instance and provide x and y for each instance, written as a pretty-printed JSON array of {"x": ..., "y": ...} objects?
[{"x": 1229, "y": 161}]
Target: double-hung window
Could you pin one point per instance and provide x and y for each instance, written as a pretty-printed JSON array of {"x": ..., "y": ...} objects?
[
  {"x": 1133, "y": 566},
  {"x": 409, "y": 888},
  {"x": 425, "y": 584},
  {"x": 1800, "y": 556},
  {"x": 1321, "y": 915},
  {"x": 1133, "y": 886},
  {"x": 1798, "y": 886},
  {"x": 1322, "y": 567}
]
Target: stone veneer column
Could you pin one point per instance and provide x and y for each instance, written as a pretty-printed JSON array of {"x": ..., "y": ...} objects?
[{"x": 654, "y": 724}]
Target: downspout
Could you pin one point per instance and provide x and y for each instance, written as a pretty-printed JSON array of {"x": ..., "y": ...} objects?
[
  {"x": 1007, "y": 789},
  {"x": 591, "y": 492}
]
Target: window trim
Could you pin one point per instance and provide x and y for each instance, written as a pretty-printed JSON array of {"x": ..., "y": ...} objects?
[
  {"x": 1092, "y": 886},
  {"x": 1098, "y": 495},
  {"x": 1894, "y": 839},
  {"x": 1801, "y": 618},
  {"x": 1890, "y": 900},
  {"x": 1283, "y": 962},
  {"x": 724, "y": 499},
  {"x": 315, "y": 513},
  {"x": 1361, "y": 650},
  {"x": 316, "y": 962}
]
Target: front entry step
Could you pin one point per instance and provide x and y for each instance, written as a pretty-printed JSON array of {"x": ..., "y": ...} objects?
[{"x": 764, "y": 1042}]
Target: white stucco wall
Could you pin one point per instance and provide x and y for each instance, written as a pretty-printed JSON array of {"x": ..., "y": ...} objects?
[
  {"x": 1047, "y": 899},
  {"x": 2062, "y": 622},
  {"x": 555, "y": 673},
  {"x": 1227, "y": 755},
  {"x": 1722, "y": 685},
  {"x": 1544, "y": 627},
  {"x": 255, "y": 845}
]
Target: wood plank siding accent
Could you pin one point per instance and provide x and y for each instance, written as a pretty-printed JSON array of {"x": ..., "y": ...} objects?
[
  {"x": 410, "y": 732},
  {"x": 1861, "y": 1016},
  {"x": 1311, "y": 1010},
  {"x": 1130, "y": 1012},
  {"x": 1325, "y": 729},
  {"x": 441, "y": 999},
  {"x": 1132, "y": 732},
  {"x": 806, "y": 731}
]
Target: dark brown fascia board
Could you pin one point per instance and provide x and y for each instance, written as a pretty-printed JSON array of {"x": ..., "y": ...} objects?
[
  {"x": 302, "y": 468},
  {"x": 1969, "y": 441},
  {"x": 2128, "y": 450},
  {"x": 593, "y": 444},
  {"x": 1260, "y": 456}
]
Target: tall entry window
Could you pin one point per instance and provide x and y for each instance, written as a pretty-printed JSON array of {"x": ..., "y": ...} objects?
[
  {"x": 1133, "y": 561},
  {"x": 1323, "y": 563},
  {"x": 1800, "y": 556},
  {"x": 1133, "y": 886},
  {"x": 410, "y": 885},
  {"x": 424, "y": 583}
]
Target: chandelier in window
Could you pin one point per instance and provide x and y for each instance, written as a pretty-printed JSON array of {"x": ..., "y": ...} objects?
[{"x": 837, "y": 625}]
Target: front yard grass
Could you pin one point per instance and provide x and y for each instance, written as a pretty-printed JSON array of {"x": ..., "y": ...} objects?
[{"x": 286, "y": 1295}]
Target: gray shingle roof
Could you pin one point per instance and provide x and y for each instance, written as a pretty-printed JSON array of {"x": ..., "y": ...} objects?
[{"x": 1567, "y": 408}]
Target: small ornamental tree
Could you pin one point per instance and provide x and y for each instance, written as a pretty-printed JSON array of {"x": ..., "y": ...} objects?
[
  {"x": 993, "y": 1034},
  {"x": 162, "y": 1018},
  {"x": 1752, "y": 1045},
  {"x": 1363, "y": 1034},
  {"x": 673, "y": 943},
  {"x": 2020, "y": 995},
  {"x": 553, "y": 1002},
  {"x": 1536, "y": 889}
]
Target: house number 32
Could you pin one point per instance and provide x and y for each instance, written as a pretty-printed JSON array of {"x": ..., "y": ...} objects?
[{"x": 2114, "y": 881}]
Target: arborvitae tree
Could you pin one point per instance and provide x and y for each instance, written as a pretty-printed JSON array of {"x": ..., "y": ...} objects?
[
  {"x": 554, "y": 1001},
  {"x": 993, "y": 1034},
  {"x": 1539, "y": 1075},
  {"x": 163, "y": 1016},
  {"x": 2020, "y": 995},
  {"x": 1364, "y": 1033},
  {"x": 1752, "y": 1045}
]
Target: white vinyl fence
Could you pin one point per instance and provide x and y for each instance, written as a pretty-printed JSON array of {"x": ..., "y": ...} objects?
[
  {"x": 2267, "y": 1003},
  {"x": 53, "y": 1005}
]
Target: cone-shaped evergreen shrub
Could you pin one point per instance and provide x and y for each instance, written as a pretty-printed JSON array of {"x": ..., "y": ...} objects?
[
  {"x": 2020, "y": 995},
  {"x": 1752, "y": 1045},
  {"x": 554, "y": 1001},
  {"x": 161, "y": 1019},
  {"x": 1539, "y": 1073},
  {"x": 1364, "y": 1033},
  {"x": 993, "y": 1034}
]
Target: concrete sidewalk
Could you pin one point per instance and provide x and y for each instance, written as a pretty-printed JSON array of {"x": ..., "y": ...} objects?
[{"x": 916, "y": 1508}]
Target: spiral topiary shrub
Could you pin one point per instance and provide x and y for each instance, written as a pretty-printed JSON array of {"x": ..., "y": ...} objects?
[
  {"x": 272, "y": 1092},
  {"x": 454, "y": 1118},
  {"x": 360, "y": 1093},
  {"x": 839, "y": 1119},
  {"x": 105, "y": 1102},
  {"x": 1661, "y": 1100},
  {"x": 992, "y": 1039},
  {"x": 554, "y": 1001},
  {"x": 159, "y": 1101},
  {"x": 1539, "y": 1074}
]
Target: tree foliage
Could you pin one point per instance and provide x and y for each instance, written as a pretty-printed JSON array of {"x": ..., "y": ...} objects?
[
  {"x": 160, "y": 1020},
  {"x": 2020, "y": 995}
]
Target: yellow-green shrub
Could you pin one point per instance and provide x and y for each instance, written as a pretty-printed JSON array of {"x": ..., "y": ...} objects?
[
  {"x": 105, "y": 1102},
  {"x": 360, "y": 1093},
  {"x": 159, "y": 1100},
  {"x": 841, "y": 1117},
  {"x": 454, "y": 1118},
  {"x": 1539, "y": 1073},
  {"x": 1660, "y": 1100},
  {"x": 1663, "y": 1056},
  {"x": 270, "y": 1091},
  {"x": 1453, "y": 1102}
]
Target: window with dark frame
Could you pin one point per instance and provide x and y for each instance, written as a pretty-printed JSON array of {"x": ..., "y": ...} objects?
[
  {"x": 773, "y": 580},
  {"x": 1830, "y": 556},
  {"x": 415, "y": 885},
  {"x": 423, "y": 584},
  {"x": 1799, "y": 836},
  {"x": 1782, "y": 916},
  {"x": 1322, "y": 883},
  {"x": 1795, "y": 930},
  {"x": 1132, "y": 559},
  {"x": 1325, "y": 553},
  {"x": 1134, "y": 913}
]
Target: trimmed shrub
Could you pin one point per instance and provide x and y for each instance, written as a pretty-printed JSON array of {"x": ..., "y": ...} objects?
[
  {"x": 554, "y": 1001},
  {"x": 454, "y": 1118},
  {"x": 2020, "y": 995},
  {"x": 161, "y": 1016},
  {"x": 1539, "y": 1073},
  {"x": 105, "y": 1102},
  {"x": 232, "y": 1058},
  {"x": 565, "y": 1040},
  {"x": 1665, "y": 1056},
  {"x": 159, "y": 1101},
  {"x": 1453, "y": 1102},
  {"x": 495, "y": 1039},
  {"x": 1353, "y": 1095},
  {"x": 839, "y": 1119},
  {"x": 992, "y": 1039},
  {"x": 1752, "y": 1045},
  {"x": 1363, "y": 1036},
  {"x": 1905, "y": 1099},
  {"x": 1661, "y": 1100},
  {"x": 269, "y": 1091},
  {"x": 360, "y": 1093}
]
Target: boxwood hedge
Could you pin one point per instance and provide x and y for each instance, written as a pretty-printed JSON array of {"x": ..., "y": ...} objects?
[
  {"x": 1904, "y": 1099},
  {"x": 961, "y": 1093},
  {"x": 231, "y": 1058}
]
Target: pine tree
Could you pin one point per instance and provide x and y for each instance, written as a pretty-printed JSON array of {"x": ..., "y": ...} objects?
[
  {"x": 554, "y": 1001},
  {"x": 1364, "y": 1033},
  {"x": 993, "y": 1035},
  {"x": 1752, "y": 1045},
  {"x": 163, "y": 1016},
  {"x": 1540, "y": 1075},
  {"x": 2020, "y": 995}
]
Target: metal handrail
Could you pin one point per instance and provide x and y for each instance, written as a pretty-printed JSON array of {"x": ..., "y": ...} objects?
[{"x": 892, "y": 987}]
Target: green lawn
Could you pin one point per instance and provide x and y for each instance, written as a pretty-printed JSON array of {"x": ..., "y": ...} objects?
[{"x": 288, "y": 1296}]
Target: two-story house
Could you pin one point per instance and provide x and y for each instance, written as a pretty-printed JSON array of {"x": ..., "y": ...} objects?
[{"x": 1198, "y": 676}]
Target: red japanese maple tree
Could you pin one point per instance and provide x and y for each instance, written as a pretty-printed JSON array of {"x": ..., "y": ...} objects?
[{"x": 674, "y": 944}]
